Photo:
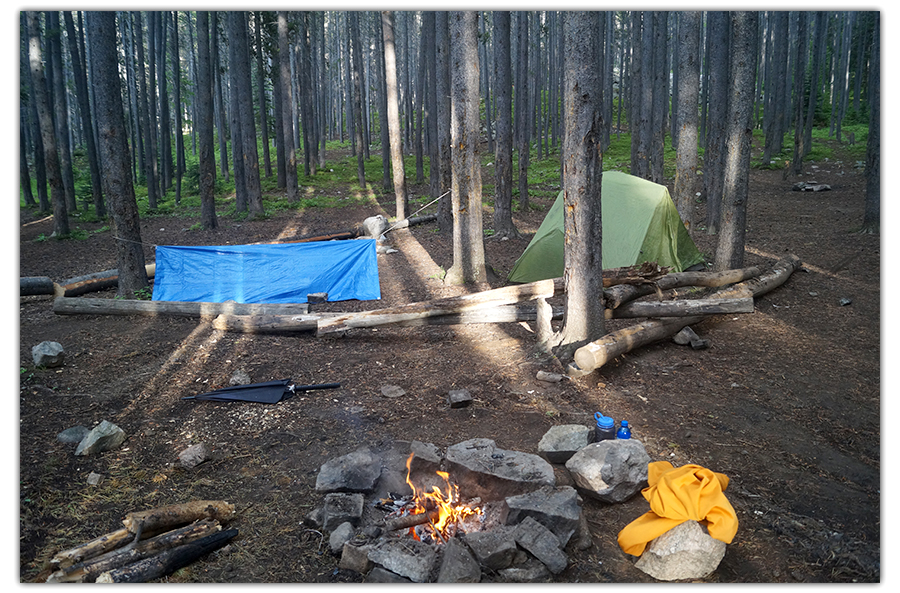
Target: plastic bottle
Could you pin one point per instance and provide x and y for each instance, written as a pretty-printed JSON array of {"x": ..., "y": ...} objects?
[
  {"x": 624, "y": 431},
  {"x": 606, "y": 428}
]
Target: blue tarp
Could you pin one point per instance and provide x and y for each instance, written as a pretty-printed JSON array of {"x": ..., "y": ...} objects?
[{"x": 272, "y": 273}]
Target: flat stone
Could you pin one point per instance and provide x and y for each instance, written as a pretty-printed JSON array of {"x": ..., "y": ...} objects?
[
  {"x": 458, "y": 564},
  {"x": 406, "y": 557},
  {"x": 494, "y": 549},
  {"x": 481, "y": 469},
  {"x": 355, "y": 472},
  {"x": 341, "y": 507},
  {"x": 611, "y": 470},
  {"x": 48, "y": 354},
  {"x": 557, "y": 509},
  {"x": 561, "y": 442},
  {"x": 541, "y": 543},
  {"x": 532, "y": 571},
  {"x": 392, "y": 391},
  {"x": 104, "y": 437},
  {"x": 686, "y": 551},
  {"x": 459, "y": 398}
]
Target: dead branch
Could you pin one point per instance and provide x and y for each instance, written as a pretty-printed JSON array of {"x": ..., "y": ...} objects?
[
  {"x": 595, "y": 354},
  {"x": 410, "y": 521},
  {"x": 87, "y": 571},
  {"x": 168, "y": 561},
  {"x": 178, "y": 514},
  {"x": 618, "y": 295}
]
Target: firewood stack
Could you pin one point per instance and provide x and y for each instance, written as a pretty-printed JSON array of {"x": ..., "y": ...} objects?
[{"x": 151, "y": 545}]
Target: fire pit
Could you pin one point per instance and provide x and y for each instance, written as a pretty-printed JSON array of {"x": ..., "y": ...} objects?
[{"x": 474, "y": 513}]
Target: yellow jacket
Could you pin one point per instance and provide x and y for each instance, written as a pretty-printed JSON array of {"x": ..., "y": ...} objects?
[{"x": 676, "y": 495}]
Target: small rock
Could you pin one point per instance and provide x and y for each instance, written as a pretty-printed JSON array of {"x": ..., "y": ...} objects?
[
  {"x": 73, "y": 436},
  {"x": 104, "y": 437},
  {"x": 239, "y": 377},
  {"x": 316, "y": 298},
  {"x": 700, "y": 343},
  {"x": 845, "y": 301},
  {"x": 355, "y": 558},
  {"x": 341, "y": 507},
  {"x": 48, "y": 355},
  {"x": 94, "y": 478},
  {"x": 355, "y": 472},
  {"x": 194, "y": 455},
  {"x": 542, "y": 544},
  {"x": 340, "y": 536},
  {"x": 458, "y": 564},
  {"x": 610, "y": 470},
  {"x": 561, "y": 442},
  {"x": 406, "y": 557},
  {"x": 459, "y": 398},
  {"x": 549, "y": 377},
  {"x": 685, "y": 336},
  {"x": 392, "y": 391},
  {"x": 380, "y": 575}
]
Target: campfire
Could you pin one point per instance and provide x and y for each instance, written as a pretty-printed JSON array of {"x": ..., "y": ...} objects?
[{"x": 433, "y": 514}]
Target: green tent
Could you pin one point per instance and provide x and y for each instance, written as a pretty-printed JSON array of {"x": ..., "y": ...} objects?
[{"x": 640, "y": 223}]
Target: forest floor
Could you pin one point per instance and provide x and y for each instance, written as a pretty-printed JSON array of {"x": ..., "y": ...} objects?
[{"x": 785, "y": 402}]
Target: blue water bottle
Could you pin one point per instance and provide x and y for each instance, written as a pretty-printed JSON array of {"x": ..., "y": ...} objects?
[
  {"x": 606, "y": 428},
  {"x": 624, "y": 431}
]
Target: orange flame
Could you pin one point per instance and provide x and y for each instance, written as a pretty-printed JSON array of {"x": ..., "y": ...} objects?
[{"x": 444, "y": 504}]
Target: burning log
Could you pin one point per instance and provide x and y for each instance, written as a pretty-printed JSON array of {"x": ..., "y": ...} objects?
[
  {"x": 89, "y": 570},
  {"x": 411, "y": 520},
  {"x": 168, "y": 561},
  {"x": 592, "y": 356}
]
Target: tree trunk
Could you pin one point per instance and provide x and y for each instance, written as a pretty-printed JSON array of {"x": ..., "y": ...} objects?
[
  {"x": 114, "y": 154},
  {"x": 688, "y": 100},
  {"x": 775, "y": 129},
  {"x": 443, "y": 90},
  {"x": 206, "y": 158},
  {"x": 240, "y": 68},
  {"x": 48, "y": 134},
  {"x": 287, "y": 128},
  {"x": 60, "y": 108},
  {"x": 179, "y": 129},
  {"x": 714, "y": 156},
  {"x": 356, "y": 77},
  {"x": 504, "y": 227},
  {"x": 660, "y": 95},
  {"x": 468, "y": 237},
  {"x": 872, "y": 215},
  {"x": 582, "y": 171},
  {"x": 261, "y": 93},
  {"x": 144, "y": 105},
  {"x": 393, "y": 108},
  {"x": 730, "y": 249},
  {"x": 84, "y": 108},
  {"x": 522, "y": 123},
  {"x": 218, "y": 97}
]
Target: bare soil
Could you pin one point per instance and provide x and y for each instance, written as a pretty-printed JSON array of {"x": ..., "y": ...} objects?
[{"x": 786, "y": 401}]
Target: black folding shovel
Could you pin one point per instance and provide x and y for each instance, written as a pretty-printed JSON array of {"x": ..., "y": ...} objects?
[{"x": 270, "y": 392}]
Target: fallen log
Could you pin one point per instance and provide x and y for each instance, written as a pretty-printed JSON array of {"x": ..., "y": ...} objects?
[
  {"x": 98, "y": 281},
  {"x": 88, "y": 570},
  {"x": 170, "y": 516},
  {"x": 620, "y": 294},
  {"x": 277, "y": 324},
  {"x": 95, "y": 547},
  {"x": 594, "y": 355},
  {"x": 94, "y": 306},
  {"x": 168, "y": 561},
  {"x": 682, "y": 308},
  {"x": 37, "y": 285}
]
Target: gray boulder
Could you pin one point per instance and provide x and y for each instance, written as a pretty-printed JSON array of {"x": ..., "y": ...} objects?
[
  {"x": 48, "y": 355},
  {"x": 73, "y": 436},
  {"x": 557, "y": 509},
  {"x": 686, "y": 551},
  {"x": 355, "y": 472},
  {"x": 482, "y": 469},
  {"x": 610, "y": 470},
  {"x": 104, "y": 437},
  {"x": 561, "y": 442}
]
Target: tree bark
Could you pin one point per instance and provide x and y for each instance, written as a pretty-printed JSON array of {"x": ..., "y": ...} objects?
[
  {"x": 522, "y": 122},
  {"x": 688, "y": 100},
  {"x": 401, "y": 199},
  {"x": 287, "y": 127},
  {"x": 872, "y": 215},
  {"x": 48, "y": 134},
  {"x": 730, "y": 249},
  {"x": 504, "y": 227},
  {"x": 240, "y": 68},
  {"x": 261, "y": 92},
  {"x": 356, "y": 77},
  {"x": 717, "y": 82},
  {"x": 206, "y": 158},
  {"x": 582, "y": 171},
  {"x": 114, "y": 154},
  {"x": 468, "y": 237},
  {"x": 443, "y": 90}
]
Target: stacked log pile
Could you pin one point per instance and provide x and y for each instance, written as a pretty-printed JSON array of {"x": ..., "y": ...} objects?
[{"x": 152, "y": 544}]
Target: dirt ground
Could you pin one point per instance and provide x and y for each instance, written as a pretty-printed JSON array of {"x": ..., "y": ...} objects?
[{"x": 785, "y": 402}]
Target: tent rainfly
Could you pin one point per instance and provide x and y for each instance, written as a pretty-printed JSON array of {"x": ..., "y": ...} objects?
[{"x": 640, "y": 224}]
